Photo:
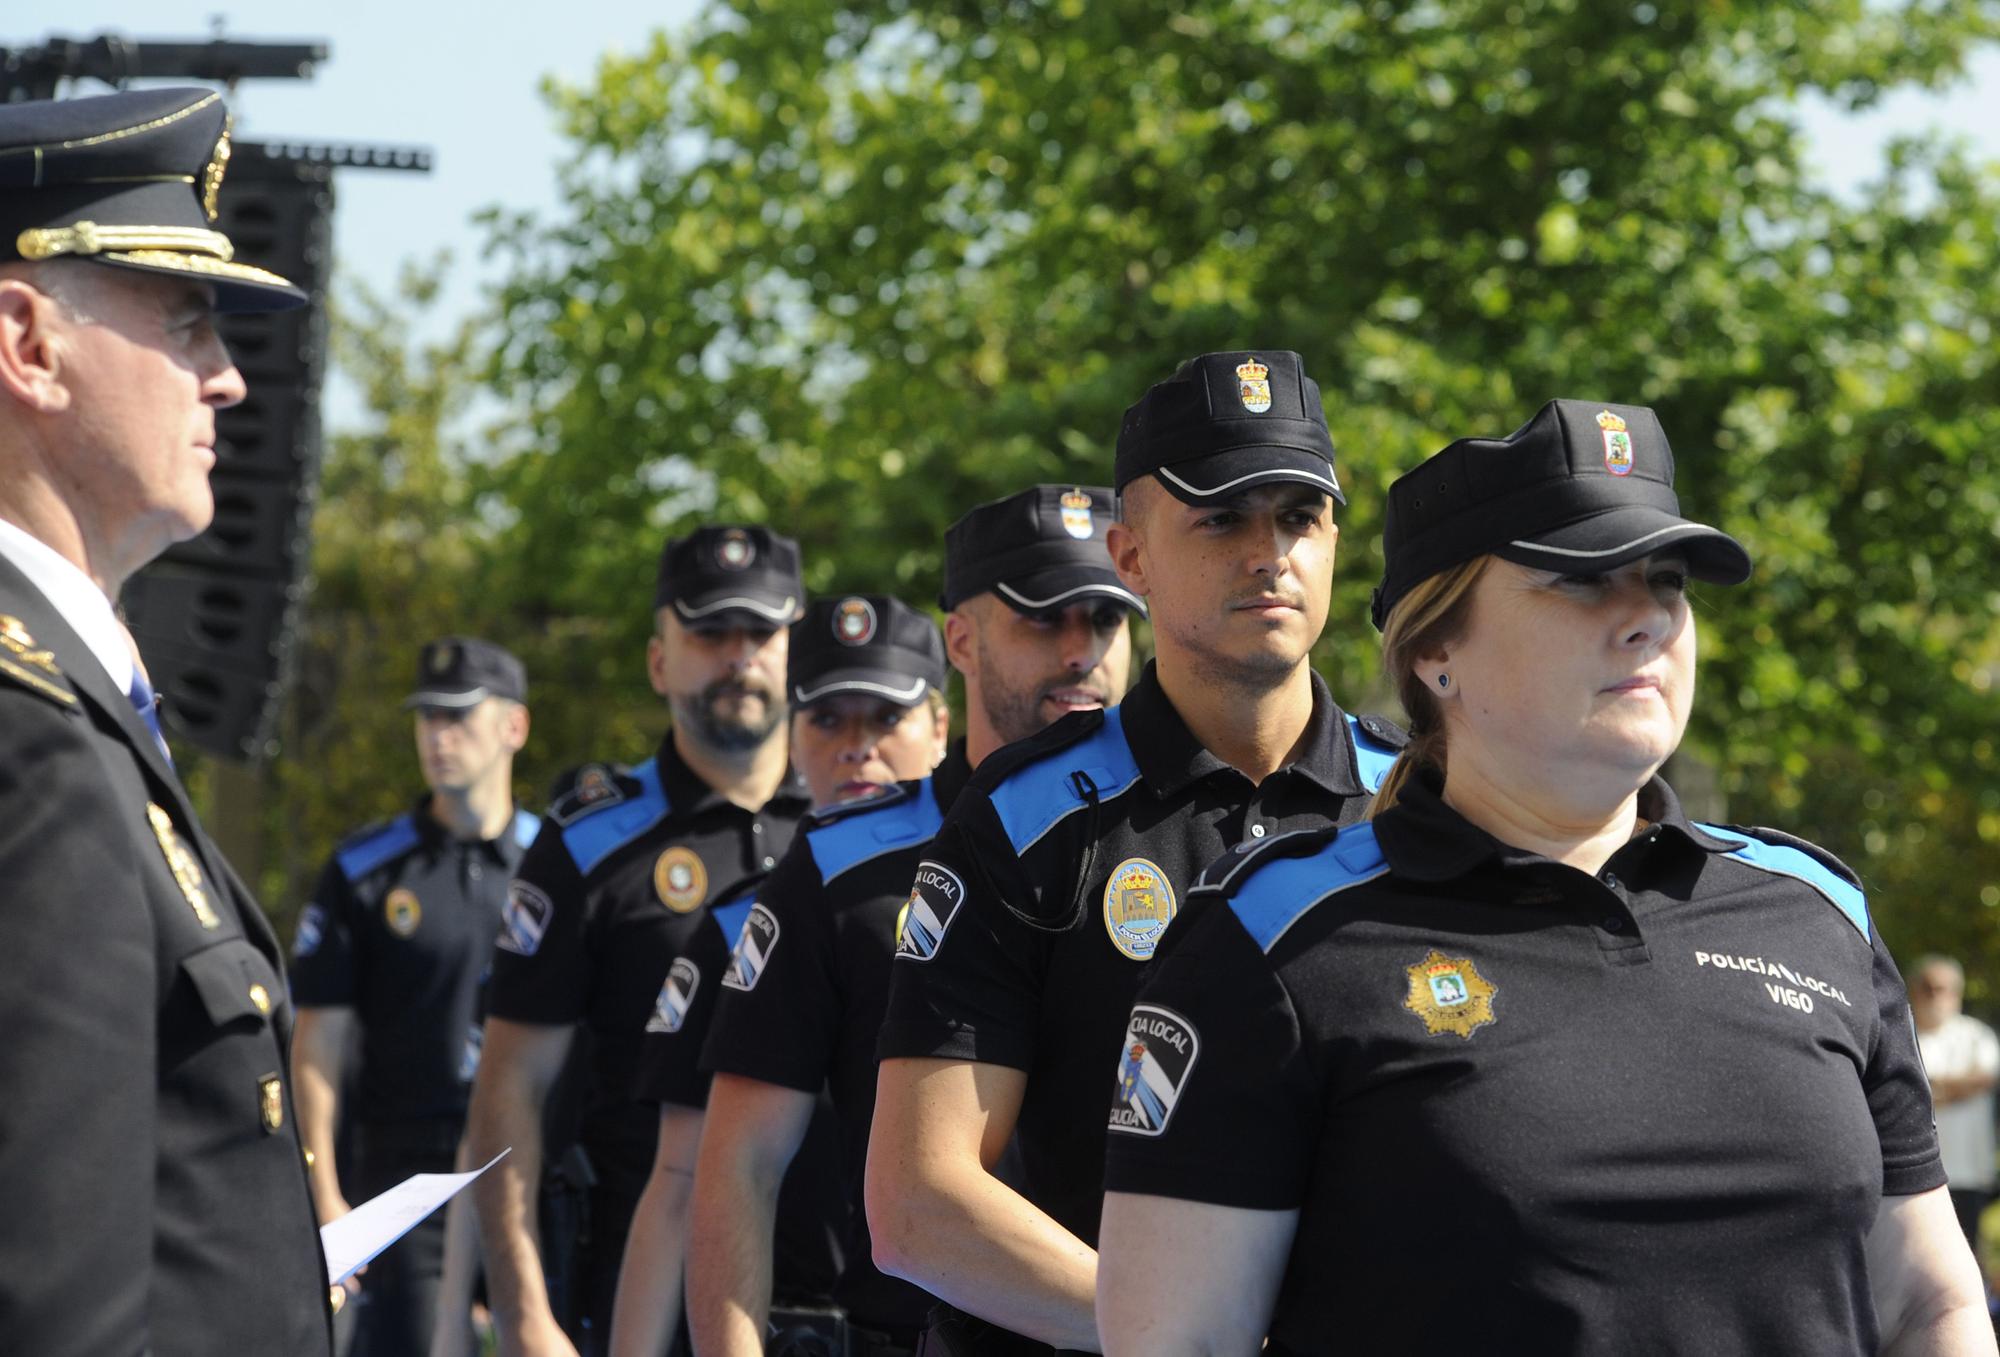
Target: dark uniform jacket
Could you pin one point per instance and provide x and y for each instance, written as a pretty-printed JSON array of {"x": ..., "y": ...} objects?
[{"x": 152, "y": 1184}]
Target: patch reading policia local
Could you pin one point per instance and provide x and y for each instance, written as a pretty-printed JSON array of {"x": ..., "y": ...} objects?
[
  {"x": 1253, "y": 384},
  {"x": 934, "y": 902},
  {"x": 1138, "y": 906},
  {"x": 1617, "y": 443},
  {"x": 670, "y": 1010},
  {"x": 854, "y": 622},
  {"x": 1450, "y": 995},
  {"x": 1074, "y": 507},
  {"x": 1160, "y": 1047},
  {"x": 402, "y": 912},
  {"x": 752, "y": 953},
  {"x": 680, "y": 879},
  {"x": 525, "y": 919}
]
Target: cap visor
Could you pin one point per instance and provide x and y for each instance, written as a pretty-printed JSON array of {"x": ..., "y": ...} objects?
[
  {"x": 239, "y": 288},
  {"x": 1611, "y": 539},
  {"x": 1058, "y": 586},
  {"x": 1207, "y": 480},
  {"x": 772, "y": 609},
  {"x": 455, "y": 698},
  {"x": 887, "y": 684}
]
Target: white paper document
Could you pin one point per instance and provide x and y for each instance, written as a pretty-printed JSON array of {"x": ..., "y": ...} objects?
[{"x": 380, "y": 1221}]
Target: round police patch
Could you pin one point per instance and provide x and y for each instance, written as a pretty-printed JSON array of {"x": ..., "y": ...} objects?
[
  {"x": 680, "y": 879},
  {"x": 670, "y": 1010},
  {"x": 525, "y": 919},
  {"x": 402, "y": 912},
  {"x": 854, "y": 622},
  {"x": 1138, "y": 906},
  {"x": 754, "y": 946},
  {"x": 734, "y": 550},
  {"x": 933, "y": 903},
  {"x": 1153, "y": 1067}
]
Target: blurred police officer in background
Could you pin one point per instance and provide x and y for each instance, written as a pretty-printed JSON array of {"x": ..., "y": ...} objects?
[
  {"x": 866, "y": 673},
  {"x": 1061, "y": 864},
  {"x": 394, "y": 950},
  {"x": 151, "y": 1177},
  {"x": 1038, "y": 627},
  {"x": 606, "y": 897}
]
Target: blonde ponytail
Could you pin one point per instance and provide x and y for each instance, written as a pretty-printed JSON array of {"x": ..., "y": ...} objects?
[{"x": 1433, "y": 614}]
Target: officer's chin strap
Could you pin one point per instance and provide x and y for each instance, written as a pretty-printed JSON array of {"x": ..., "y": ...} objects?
[{"x": 1085, "y": 790}]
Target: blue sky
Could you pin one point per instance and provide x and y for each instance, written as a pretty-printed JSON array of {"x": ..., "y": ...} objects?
[{"x": 462, "y": 79}]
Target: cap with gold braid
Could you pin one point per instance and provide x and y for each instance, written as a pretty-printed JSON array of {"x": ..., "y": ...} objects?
[{"x": 130, "y": 180}]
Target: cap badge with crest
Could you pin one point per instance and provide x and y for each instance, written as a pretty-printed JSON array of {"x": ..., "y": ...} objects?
[
  {"x": 1076, "y": 514},
  {"x": 854, "y": 622},
  {"x": 1253, "y": 385},
  {"x": 1617, "y": 444},
  {"x": 735, "y": 550},
  {"x": 441, "y": 660}
]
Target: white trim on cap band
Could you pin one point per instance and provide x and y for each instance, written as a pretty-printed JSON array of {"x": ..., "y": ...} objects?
[
  {"x": 1681, "y": 528},
  {"x": 464, "y": 697},
  {"x": 1022, "y": 600},
  {"x": 907, "y": 696},
  {"x": 1285, "y": 473},
  {"x": 784, "y": 613}
]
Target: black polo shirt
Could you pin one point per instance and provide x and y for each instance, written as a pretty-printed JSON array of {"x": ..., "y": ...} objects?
[
  {"x": 806, "y": 999},
  {"x": 400, "y": 929},
  {"x": 1051, "y": 881},
  {"x": 612, "y": 890},
  {"x": 1653, "y": 1110}
]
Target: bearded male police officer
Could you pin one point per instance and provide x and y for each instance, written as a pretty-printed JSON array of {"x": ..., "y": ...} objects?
[
  {"x": 151, "y": 1178},
  {"x": 609, "y": 893},
  {"x": 1038, "y": 628},
  {"x": 393, "y": 950},
  {"x": 1062, "y": 863}
]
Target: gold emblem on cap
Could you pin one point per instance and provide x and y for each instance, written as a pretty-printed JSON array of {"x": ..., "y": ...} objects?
[
  {"x": 271, "y": 1101},
  {"x": 260, "y": 998},
  {"x": 181, "y": 862},
  {"x": 1617, "y": 444},
  {"x": 1450, "y": 995},
  {"x": 402, "y": 912},
  {"x": 1075, "y": 507},
  {"x": 680, "y": 879},
  {"x": 1138, "y": 906},
  {"x": 211, "y": 176},
  {"x": 440, "y": 660},
  {"x": 1253, "y": 386}
]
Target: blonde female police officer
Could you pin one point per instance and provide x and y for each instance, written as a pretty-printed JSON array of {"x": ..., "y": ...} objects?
[{"x": 1530, "y": 1059}]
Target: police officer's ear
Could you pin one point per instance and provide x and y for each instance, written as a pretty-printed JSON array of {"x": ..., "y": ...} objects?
[
  {"x": 656, "y": 652},
  {"x": 514, "y": 724},
  {"x": 1125, "y": 539},
  {"x": 30, "y": 356},
  {"x": 961, "y": 636}
]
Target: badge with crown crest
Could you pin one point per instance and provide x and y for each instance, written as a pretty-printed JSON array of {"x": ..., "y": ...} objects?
[
  {"x": 1253, "y": 385},
  {"x": 1617, "y": 444},
  {"x": 1076, "y": 514}
]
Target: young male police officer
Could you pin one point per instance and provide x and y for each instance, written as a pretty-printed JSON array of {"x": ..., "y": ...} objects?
[
  {"x": 608, "y": 895},
  {"x": 1061, "y": 864},
  {"x": 1038, "y": 628},
  {"x": 151, "y": 1178},
  {"x": 393, "y": 950}
]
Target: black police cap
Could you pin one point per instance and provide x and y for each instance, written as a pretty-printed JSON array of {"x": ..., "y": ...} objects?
[
  {"x": 1580, "y": 488},
  {"x": 1226, "y": 422},
  {"x": 870, "y": 644},
  {"x": 1041, "y": 548},
  {"x": 463, "y": 671},
  {"x": 128, "y": 180},
  {"x": 731, "y": 573}
]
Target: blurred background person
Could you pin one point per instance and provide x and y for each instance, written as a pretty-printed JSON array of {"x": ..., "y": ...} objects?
[{"x": 1962, "y": 1058}]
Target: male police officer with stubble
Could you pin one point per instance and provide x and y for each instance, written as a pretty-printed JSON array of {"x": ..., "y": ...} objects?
[{"x": 151, "y": 1178}]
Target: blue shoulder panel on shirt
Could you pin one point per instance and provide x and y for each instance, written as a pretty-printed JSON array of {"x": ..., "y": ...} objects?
[
  {"x": 1783, "y": 860},
  {"x": 1374, "y": 757},
  {"x": 527, "y": 824},
  {"x": 730, "y": 914},
  {"x": 372, "y": 850},
  {"x": 1275, "y": 893},
  {"x": 598, "y": 834},
  {"x": 871, "y": 831},
  {"x": 1038, "y": 796}
]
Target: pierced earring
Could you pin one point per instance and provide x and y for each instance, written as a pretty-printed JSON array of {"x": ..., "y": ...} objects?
[{"x": 1444, "y": 680}]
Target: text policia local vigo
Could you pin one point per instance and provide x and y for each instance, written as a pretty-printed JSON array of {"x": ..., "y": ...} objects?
[{"x": 1798, "y": 990}]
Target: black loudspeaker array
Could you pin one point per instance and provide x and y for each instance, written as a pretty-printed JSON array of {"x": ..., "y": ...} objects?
[{"x": 214, "y": 615}]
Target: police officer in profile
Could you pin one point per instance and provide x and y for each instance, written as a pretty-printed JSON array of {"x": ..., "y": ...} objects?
[
  {"x": 1065, "y": 858},
  {"x": 1531, "y": 1054},
  {"x": 151, "y": 1177},
  {"x": 610, "y": 892},
  {"x": 866, "y": 673},
  {"x": 391, "y": 955},
  {"x": 1038, "y": 626}
]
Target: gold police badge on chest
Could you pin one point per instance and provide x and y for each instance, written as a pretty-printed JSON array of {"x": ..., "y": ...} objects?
[
  {"x": 1138, "y": 906},
  {"x": 1450, "y": 995},
  {"x": 402, "y": 912},
  {"x": 181, "y": 862},
  {"x": 271, "y": 1102},
  {"x": 680, "y": 879}
]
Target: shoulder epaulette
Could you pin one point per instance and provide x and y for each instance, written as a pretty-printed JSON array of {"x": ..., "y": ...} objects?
[
  {"x": 527, "y": 824},
  {"x": 376, "y": 846},
  {"x": 1782, "y": 854},
  {"x": 900, "y": 816},
  {"x": 581, "y": 790},
  {"x": 1055, "y": 773},
  {"x": 596, "y": 829},
  {"x": 1377, "y": 742},
  {"x": 22, "y": 663},
  {"x": 1275, "y": 884}
]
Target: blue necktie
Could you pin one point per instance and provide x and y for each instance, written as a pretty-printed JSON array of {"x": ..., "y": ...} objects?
[{"x": 147, "y": 703}]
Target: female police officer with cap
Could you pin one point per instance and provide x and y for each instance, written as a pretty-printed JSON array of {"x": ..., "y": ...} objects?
[{"x": 1530, "y": 1062}]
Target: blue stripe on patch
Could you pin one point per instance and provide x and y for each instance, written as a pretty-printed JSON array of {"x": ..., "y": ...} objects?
[
  {"x": 868, "y": 834},
  {"x": 526, "y": 826},
  {"x": 1374, "y": 758},
  {"x": 730, "y": 914},
  {"x": 1782, "y": 860},
  {"x": 1278, "y": 893},
  {"x": 597, "y": 836},
  {"x": 386, "y": 844},
  {"x": 1036, "y": 798}
]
